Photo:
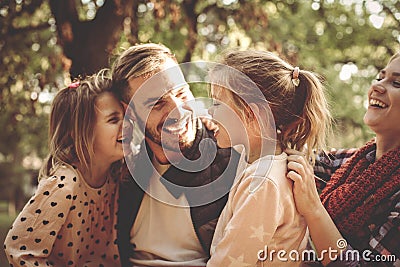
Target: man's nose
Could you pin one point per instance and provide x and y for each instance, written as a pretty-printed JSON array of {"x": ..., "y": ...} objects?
[
  {"x": 211, "y": 110},
  {"x": 178, "y": 108},
  {"x": 126, "y": 127},
  {"x": 127, "y": 124}
]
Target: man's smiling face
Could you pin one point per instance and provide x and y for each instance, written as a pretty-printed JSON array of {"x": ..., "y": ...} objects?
[{"x": 161, "y": 106}]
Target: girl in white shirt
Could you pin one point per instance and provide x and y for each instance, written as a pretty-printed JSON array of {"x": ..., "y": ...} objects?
[{"x": 263, "y": 106}]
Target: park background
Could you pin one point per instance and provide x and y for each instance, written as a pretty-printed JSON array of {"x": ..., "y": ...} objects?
[{"x": 45, "y": 43}]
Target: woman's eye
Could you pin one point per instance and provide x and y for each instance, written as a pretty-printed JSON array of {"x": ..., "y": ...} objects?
[{"x": 396, "y": 84}]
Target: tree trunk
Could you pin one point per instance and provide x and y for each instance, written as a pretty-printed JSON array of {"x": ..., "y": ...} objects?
[
  {"x": 191, "y": 18},
  {"x": 89, "y": 44}
]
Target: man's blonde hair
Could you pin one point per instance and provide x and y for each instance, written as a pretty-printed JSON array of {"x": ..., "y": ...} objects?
[{"x": 138, "y": 60}]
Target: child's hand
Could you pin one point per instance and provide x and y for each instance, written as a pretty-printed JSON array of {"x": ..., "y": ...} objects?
[{"x": 209, "y": 124}]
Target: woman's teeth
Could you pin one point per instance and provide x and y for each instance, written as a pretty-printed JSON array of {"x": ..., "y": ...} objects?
[{"x": 377, "y": 103}]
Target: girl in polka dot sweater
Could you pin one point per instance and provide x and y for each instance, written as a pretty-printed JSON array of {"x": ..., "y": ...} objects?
[{"x": 70, "y": 220}]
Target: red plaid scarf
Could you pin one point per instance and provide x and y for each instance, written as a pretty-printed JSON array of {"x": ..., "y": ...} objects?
[{"x": 355, "y": 190}]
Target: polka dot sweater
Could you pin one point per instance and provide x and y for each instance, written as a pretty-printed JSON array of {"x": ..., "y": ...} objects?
[{"x": 66, "y": 223}]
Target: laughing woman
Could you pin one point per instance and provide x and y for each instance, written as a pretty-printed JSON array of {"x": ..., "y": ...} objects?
[{"x": 361, "y": 201}]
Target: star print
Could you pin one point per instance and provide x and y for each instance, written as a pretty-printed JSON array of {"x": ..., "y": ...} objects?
[
  {"x": 228, "y": 228},
  {"x": 258, "y": 233},
  {"x": 238, "y": 262}
]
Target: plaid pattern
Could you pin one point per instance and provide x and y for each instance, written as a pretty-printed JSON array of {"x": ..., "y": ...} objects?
[
  {"x": 327, "y": 163},
  {"x": 385, "y": 237}
]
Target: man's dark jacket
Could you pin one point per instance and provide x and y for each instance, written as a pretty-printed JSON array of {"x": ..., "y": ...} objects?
[{"x": 221, "y": 171}]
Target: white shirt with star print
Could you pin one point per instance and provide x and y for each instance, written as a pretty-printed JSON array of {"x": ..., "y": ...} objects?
[{"x": 260, "y": 218}]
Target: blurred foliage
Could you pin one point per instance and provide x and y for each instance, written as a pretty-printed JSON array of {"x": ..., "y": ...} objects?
[
  {"x": 5, "y": 222},
  {"x": 346, "y": 41}
]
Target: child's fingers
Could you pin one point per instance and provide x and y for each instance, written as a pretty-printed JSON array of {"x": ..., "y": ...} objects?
[{"x": 210, "y": 125}]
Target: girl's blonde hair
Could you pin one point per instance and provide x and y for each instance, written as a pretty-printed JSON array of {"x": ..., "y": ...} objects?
[
  {"x": 72, "y": 121},
  {"x": 301, "y": 113}
]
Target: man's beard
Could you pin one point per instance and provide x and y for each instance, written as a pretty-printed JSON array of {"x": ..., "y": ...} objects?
[{"x": 162, "y": 141}]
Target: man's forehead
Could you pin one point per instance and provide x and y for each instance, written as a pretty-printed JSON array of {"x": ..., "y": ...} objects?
[
  {"x": 169, "y": 80},
  {"x": 166, "y": 80}
]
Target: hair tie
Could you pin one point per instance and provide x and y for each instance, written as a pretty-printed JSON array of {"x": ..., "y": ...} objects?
[
  {"x": 295, "y": 76},
  {"x": 74, "y": 85}
]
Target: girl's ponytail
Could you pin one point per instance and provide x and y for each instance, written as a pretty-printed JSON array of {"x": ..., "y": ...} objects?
[{"x": 310, "y": 104}]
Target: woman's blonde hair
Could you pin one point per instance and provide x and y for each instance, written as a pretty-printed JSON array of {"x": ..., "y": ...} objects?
[
  {"x": 72, "y": 121},
  {"x": 394, "y": 57},
  {"x": 301, "y": 113}
]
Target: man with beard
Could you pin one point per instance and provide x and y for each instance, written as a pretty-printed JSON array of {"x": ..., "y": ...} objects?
[{"x": 180, "y": 180}]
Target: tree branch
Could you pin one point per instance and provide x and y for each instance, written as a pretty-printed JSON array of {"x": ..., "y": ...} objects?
[
  {"x": 390, "y": 13},
  {"x": 17, "y": 31}
]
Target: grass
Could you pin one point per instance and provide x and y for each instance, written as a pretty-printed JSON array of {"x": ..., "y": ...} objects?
[{"x": 5, "y": 223}]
